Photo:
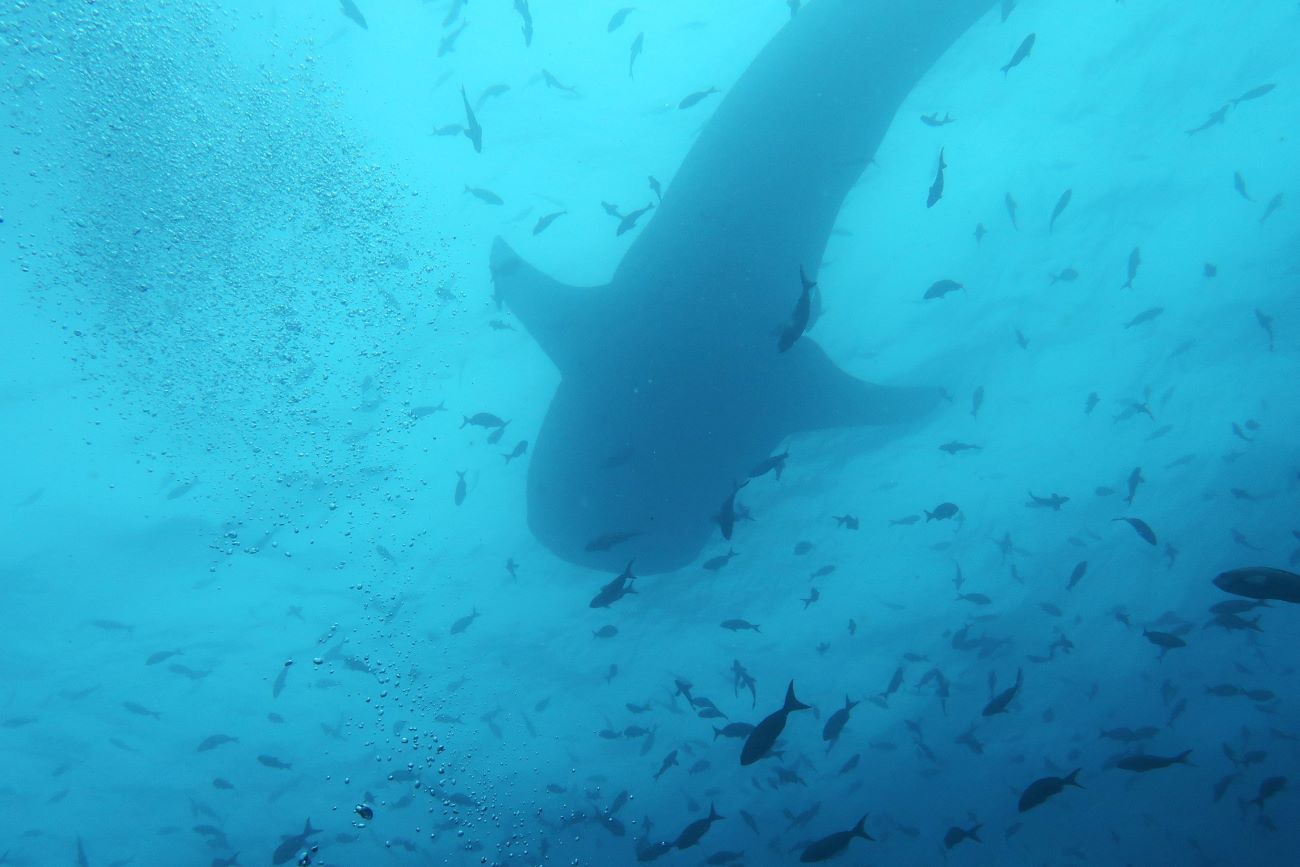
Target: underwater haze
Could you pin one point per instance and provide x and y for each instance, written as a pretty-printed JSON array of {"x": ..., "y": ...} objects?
[{"x": 521, "y": 432}]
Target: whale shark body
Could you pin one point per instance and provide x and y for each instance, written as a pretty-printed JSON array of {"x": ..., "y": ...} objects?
[{"x": 672, "y": 386}]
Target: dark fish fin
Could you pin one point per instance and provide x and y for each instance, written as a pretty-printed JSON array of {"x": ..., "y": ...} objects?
[
  {"x": 559, "y": 317},
  {"x": 792, "y": 703},
  {"x": 860, "y": 829},
  {"x": 1072, "y": 778},
  {"x": 813, "y": 394}
]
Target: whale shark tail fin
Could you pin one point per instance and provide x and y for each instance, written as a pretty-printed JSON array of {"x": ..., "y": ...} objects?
[
  {"x": 558, "y": 316},
  {"x": 816, "y": 394}
]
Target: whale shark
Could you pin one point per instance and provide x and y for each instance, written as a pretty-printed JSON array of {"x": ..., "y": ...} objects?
[{"x": 672, "y": 383}]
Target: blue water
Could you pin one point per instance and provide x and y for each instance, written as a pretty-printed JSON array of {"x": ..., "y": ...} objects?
[{"x": 240, "y": 271}]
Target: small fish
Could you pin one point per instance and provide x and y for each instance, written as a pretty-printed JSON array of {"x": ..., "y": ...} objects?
[
  {"x": 1253, "y": 93},
  {"x": 954, "y": 447},
  {"x": 940, "y": 288},
  {"x": 1265, "y": 322},
  {"x": 465, "y": 622},
  {"x": 483, "y": 195},
  {"x": 935, "y": 120},
  {"x": 941, "y": 512},
  {"x": 351, "y": 11},
  {"x": 936, "y": 188},
  {"x": 835, "y": 844},
  {"x": 629, "y": 220},
  {"x": 904, "y": 522},
  {"x": 1021, "y": 54},
  {"x": 1012, "y": 207},
  {"x": 774, "y": 464},
  {"x": 737, "y": 625},
  {"x": 813, "y": 596},
  {"x": 519, "y": 450},
  {"x": 160, "y": 656},
  {"x": 1239, "y": 184},
  {"x": 848, "y": 522},
  {"x": 544, "y": 222},
  {"x": 1166, "y": 641},
  {"x": 1040, "y": 790},
  {"x": 1061, "y": 204},
  {"x": 555, "y": 84},
  {"x": 274, "y": 763},
  {"x": 616, "y": 20},
  {"x": 1141, "y": 763},
  {"x": 1135, "y": 479},
  {"x": 976, "y": 401},
  {"x": 448, "y": 43},
  {"x": 1065, "y": 275},
  {"x": 1077, "y": 575},
  {"x": 1271, "y": 208},
  {"x": 211, "y": 742},
  {"x": 980, "y": 232},
  {"x": 634, "y": 52},
  {"x": 1216, "y": 117},
  {"x": 1142, "y": 528},
  {"x": 695, "y": 98},
  {"x": 1134, "y": 261},
  {"x": 521, "y": 6},
  {"x": 1145, "y": 316},
  {"x": 461, "y": 488},
  {"x": 800, "y": 316},
  {"x": 956, "y": 835},
  {"x": 713, "y": 564},
  {"x": 141, "y": 710},
  {"x": 1054, "y": 502},
  {"x": 472, "y": 130}
]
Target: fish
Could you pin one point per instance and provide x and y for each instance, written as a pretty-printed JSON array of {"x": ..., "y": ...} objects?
[
  {"x": 713, "y": 564},
  {"x": 1216, "y": 117},
  {"x": 1009, "y": 201},
  {"x": 800, "y": 316},
  {"x": 1145, "y": 316},
  {"x": 655, "y": 187},
  {"x": 956, "y": 835},
  {"x": 448, "y": 42},
  {"x": 695, "y": 831},
  {"x": 274, "y": 763},
  {"x": 737, "y": 625},
  {"x": 461, "y": 488},
  {"x": 662, "y": 320},
  {"x": 940, "y": 288},
  {"x": 936, "y": 186},
  {"x": 1142, "y": 762},
  {"x": 616, "y": 20},
  {"x": 1040, "y": 790},
  {"x": 472, "y": 130},
  {"x": 526, "y": 15},
  {"x": 1268, "y": 787},
  {"x": 464, "y": 623},
  {"x": 161, "y": 656},
  {"x": 1166, "y": 641},
  {"x": 616, "y": 589},
  {"x": 836, "y": 722},
  {"x": 1239, "y": 184},
  {"x": 1260, "y": 582},
  {"x": 1134, "y": 261},
  {"x": 941, "y": 512},
  {"x": 999, "y": 703},
  {"x": 544, "y": 222},
  {"x": 1061, "y": 204},
  {"x": 1271, "y": 208},
  {"x": 555, "y": 84},
  {"x": 1135, "y": 479},
  {"x": 638, "y": 44},
  {"x": 140, "y": 710},
  {"x": 1077, "y": 575},
  {"x": 291, "y": 843},
  {"x": 350, "y": 11},
  {"x": 1065, "y": 275},
  {"x": 1253, "y": 93},
  {"x": 763, "y": 737},
  {"x": 211, "y": 742},
  {"x": 519, "y": 450},
  {"x": 935, "y": 120},
  {"x": 1141, "y": 527},
  {"x": 1021, "y": 54},
  {"x": 726, "y": 516},
  {"x": 696, "y": 98},
  {"x": 630, "y": 219},
  {"x": 848, "y": 522},
  {"x": 669, "y": 761},
  {"x": 1054, "y": 502},
  {"x": 834, "y": 844},
  {"x": 976, "y": 401},
  {"x": 774, "y": 464},
  {"x": 483, "y": 195},
  {"x": 954, "y": 447}
]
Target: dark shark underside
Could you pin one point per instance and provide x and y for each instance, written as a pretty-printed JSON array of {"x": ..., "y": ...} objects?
[{"x": 672, "y": 387}]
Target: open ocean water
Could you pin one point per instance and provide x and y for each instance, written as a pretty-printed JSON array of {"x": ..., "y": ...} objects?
[{"x": 521, "y": 432}]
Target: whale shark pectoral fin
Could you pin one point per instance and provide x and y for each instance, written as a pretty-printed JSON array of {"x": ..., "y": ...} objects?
[
  {"x": 559, "y": 317},
  {"x": 817, "y": 395}
]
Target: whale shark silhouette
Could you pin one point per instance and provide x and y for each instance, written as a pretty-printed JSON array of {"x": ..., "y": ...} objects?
[{"x": 671, "y": 383}]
